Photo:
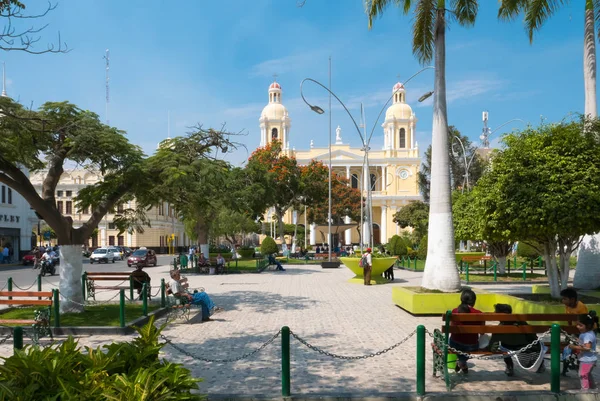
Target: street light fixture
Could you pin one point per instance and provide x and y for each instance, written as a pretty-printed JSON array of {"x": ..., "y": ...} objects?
[
  {"x": 425, "y": 96},
  {"x": 364, "y": 138}
]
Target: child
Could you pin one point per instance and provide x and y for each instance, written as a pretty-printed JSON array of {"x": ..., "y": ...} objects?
[
  {"x": 572, "y": 305},
  {"x": 587, "y": 351},
  {"x": 465, "y": 342}
]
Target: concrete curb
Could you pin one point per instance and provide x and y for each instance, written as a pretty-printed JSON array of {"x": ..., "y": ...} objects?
[{"x": 100, "y": 330}]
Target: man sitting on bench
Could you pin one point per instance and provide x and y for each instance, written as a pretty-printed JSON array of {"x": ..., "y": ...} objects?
[
  {"x": 139, "y": 277},
  {"x": 197, "y": 298}
]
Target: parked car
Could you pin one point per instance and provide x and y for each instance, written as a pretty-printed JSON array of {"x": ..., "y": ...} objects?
[
  {"x": 144, "y": 257},
  {"x": 118, "y": 250},
  {"x": 28, "y": 259},
  {"x": 104, "y": 255},
  {"x": 127, "y": 251}
]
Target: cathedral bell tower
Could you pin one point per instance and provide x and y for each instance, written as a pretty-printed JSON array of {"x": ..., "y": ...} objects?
[
  {"x": 400, "y": 121},
  {"x": 274, "y": 120}
]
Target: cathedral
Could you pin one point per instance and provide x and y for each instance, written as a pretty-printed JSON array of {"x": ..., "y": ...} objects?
[{"x": 391, "y": 173}]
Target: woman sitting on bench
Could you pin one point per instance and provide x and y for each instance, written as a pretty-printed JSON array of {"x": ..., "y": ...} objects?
[
  {"x": 197, "y": 298},
  {"x": 461, "y": 341}
]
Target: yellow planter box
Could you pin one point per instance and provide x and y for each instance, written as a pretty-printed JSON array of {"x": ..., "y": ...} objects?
[{"x": 380, "y": 265}]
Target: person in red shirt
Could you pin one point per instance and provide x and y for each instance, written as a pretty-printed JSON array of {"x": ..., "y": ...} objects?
[{"x": 465, "y": 342}]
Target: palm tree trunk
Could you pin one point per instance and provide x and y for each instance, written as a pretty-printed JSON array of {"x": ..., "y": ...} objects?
[
  {"x": 440, "y": 267},
  {"x": 587, "y": 274}
]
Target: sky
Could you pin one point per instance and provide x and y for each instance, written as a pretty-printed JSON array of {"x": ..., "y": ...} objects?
[{"x": 211, "y": 63}]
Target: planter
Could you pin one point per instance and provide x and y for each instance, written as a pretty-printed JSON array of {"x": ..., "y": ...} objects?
[
  {"x": 379, "y": 266},
  {"x": 334, "y": 264}
]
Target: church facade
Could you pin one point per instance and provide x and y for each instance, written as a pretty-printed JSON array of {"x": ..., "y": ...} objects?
[{"x": 391, "y": 172}]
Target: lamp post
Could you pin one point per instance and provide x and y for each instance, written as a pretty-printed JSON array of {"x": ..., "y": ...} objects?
[{"x": 366, "y": 140}]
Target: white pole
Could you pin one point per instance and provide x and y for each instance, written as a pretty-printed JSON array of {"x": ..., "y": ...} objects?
[{"x": 329, "y": 219}]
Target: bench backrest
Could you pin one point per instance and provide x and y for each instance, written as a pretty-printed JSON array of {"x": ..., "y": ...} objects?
[
  {"x": 26, "y": 294},
  {"x": 108, "y": 273},
  {"x": 476, "y": 323},
  {"x": 475, "y": 258}
]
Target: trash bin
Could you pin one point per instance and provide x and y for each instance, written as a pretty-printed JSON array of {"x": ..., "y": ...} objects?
[{"x": 451, "y": 361}]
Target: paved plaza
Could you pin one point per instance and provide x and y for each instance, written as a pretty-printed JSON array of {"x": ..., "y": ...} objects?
[{"x": 320, "y": 306}]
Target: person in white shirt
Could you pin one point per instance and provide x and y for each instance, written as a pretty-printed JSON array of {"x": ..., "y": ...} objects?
[
  {"x": 49, "y": 254},
  {"x": 367, "y": 264},
  {"x": 197, "y": 298}
]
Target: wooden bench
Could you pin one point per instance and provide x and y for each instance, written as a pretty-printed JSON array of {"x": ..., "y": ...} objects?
[
  {"x": 92, "y": 277},
  {"x": 475, "y": 258},
  {"x": 177, "y": 307},
  {"x": 213, "y": 262},
  {"x": 476, "y": 324},
  {"x": 41, "y": 317}
]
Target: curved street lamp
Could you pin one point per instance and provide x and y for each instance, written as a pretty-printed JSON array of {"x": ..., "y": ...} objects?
[{"x": 365, "y": 142}]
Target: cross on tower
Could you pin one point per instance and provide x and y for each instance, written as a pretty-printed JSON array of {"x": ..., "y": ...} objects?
[
  {"x": 398, "y": 76},
  {"x": 275, "y": 77}
]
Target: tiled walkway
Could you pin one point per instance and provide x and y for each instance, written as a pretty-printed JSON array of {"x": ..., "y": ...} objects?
[{"x": 321, "y": 307}]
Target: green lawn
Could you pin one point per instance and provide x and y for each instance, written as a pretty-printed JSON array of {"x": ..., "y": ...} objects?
[
  {"x": 420, "y": 265},
  {"x": 97, "y": 315},
  {"x": 504, "y": 278}
]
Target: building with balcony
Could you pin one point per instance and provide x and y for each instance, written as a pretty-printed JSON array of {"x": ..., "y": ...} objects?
[
  {"x": 163, "y": 219},
  {"x": 391, "y": 172}
]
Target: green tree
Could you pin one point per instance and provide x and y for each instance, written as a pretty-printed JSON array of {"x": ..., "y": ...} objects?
[
  {"x": 429, "y": 43},
  {"x": 397, "y": 246},
  {"x": 415, "y": 215},
  {"x": 456, "y": 141},
  {"x": 545, "y": 188},
  {"x": 60, "y": 133},
  {"x": 280, "y": 183},
  {"x": 536, "y": 13},
  {"x": 268, "y": 246},
  {"x": 232, "y": 225}
]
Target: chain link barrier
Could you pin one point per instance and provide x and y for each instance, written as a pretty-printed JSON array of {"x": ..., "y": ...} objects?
[
  {"x": 203, "y": 359},
  {"x": 4, "y": 286},
  {"x": 48, "y": 282},
  {"x": 25, "y": 289},
  {"x": 497, "y": 356},
  {"x": 330, "y": 354},
  {"x": 6, "y": 338}
]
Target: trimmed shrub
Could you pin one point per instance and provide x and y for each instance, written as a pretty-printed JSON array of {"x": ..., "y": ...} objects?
[
  {"x": 268, "y": 246},
  {"x": 527, "y": 251},
  {"x": 422, "y": 251},
  {"x": 397, "y": 246},
  {"x": 246, "y": 253}
]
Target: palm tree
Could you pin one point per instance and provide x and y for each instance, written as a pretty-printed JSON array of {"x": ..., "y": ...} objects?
[
  {"x": 429, "y": 42},
  {"x": 536, "y": 13}
]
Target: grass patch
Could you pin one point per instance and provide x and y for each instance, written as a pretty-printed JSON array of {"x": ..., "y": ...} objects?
[
  {"x": 547, "y": 298},
  {"x": 411, "y": 266},
  {"x": 96, "y": 315},
  {"x": 512, "y": 277}
]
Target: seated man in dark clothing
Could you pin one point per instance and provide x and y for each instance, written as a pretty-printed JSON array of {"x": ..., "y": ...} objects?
[
  {"x": 514, "y": 342},
  {"x": 139, "y": 277},
  {"x": 273, "y": 261}
]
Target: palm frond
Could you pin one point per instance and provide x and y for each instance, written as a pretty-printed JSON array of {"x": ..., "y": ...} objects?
[
  {"x": 375, "y": 8},
  {"x": 423, "y": 30},
  {"x": 509, "y": 9},
  {"x": 537, "y": 12},
  {"x": 595, "y": 4},
  {"x": 465, "y": 11}
]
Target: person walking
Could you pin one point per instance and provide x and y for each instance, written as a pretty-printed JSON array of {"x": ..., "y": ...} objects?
[{"x": 367, "y": 265}]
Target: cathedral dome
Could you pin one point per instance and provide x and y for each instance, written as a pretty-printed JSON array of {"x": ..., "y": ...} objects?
[
  {"x": 274, "y": 111},
  {"x": 399, "y": 111}
]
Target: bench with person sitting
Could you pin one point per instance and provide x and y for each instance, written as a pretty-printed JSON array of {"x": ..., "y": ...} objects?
[
  {"x": 462, "y": 327},
  {"x": 178, "y": 288}
]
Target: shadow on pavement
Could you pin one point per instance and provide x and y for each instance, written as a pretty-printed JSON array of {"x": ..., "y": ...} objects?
[{"x": 260, "y": 301}]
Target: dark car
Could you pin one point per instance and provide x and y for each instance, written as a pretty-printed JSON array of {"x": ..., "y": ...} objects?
[
  {"x": 127, "y": 251},
  {"x": 144, "y": 257}
]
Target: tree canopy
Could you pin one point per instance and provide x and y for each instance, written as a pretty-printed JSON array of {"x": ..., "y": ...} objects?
[{"x": 416, "y": 216}]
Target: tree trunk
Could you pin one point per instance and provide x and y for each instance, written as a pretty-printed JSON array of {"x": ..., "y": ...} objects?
[
  {"x": 587, "y": 274},
  {"x": 440, "y": 267},
  {"x": 552, "y": 268},
  {"x": 70, "y": 270},
  {"x": 564, "y": 269},
  {"x": 501, "y": 264},
  {"x": 281, "y": 225},
  {"x": 202, "y": 233}
]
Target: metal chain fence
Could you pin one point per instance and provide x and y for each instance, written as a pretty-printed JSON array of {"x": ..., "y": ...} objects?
[
  {"x": 6, "y": 338},
  {"x": 372, "y": 355},
  {"x": 28, "y": 288},
  {"x": 239, "y": 358}
]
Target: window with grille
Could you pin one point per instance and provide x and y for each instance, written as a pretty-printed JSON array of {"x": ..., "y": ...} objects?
[
  {"x": 69, "y": 207},
  {"x": 121, "y": 240},
  {"x": 402, "y": 138},
  {"x": 9, "y": 196},
  {"x": 59, "y": 206},
  {"x": 354, "y": 181},
  {"x": 69, "y": 194},
  {"x": 111, "y": 240},
  {"x": 59, "y": 193}
]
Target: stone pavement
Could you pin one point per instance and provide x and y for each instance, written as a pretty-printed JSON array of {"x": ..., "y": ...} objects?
[{"x": 321, "y": 307}]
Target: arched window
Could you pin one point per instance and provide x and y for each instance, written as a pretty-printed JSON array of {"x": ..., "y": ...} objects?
[
  {"x": 354, "y": 181},
  {"x": 373, "y": 180},
  {"x": 274, "y": 134},
  {"x": 402, "y": 138}
]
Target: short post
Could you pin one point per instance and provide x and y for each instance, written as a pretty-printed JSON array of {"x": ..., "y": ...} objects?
[
  {"x": 131, "y": 288},
  {"x": 83, "y": 284},
  {"x": 285, "y": 361},
  {"x": 122, "y": 307},
  {"x": 484, "y": 267},
  {"x": 10, "y": 285},
  {"x": 495, "y": 271},
  {"x": 18, "y": 338},
  {"x": 415, "y": 263},
  {"x": 420, "y": 360},
  {"x": 508, "y": 265},
  {"x": 163, "y": 293},
  {"x": 515, "y": 259},
  {"x": 56, "y": 305},
  {"x": 461, "y": 266},
  {"x": 145, "y": 300},
  {"x": 467, "y": 273},
  {"x": 524, "y": 271},
  {"x": 555, "y": 358},
  {"x": 531, "y": 266},
  {"x": 39, "y": 285}
]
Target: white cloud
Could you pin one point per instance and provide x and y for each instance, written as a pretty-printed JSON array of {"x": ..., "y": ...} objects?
[
  {"x": 284, "y": 65},
  {"x": 467, "y": 89}
]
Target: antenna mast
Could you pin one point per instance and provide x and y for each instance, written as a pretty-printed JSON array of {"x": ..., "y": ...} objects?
[{"x": 107, "y": 58}]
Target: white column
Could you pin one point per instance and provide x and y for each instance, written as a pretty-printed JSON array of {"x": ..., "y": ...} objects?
[
  {"x": 129, "y": 239},
  {"x": 366, "y": 234},
  {"x": 262, "y": 136},
  {"x": 348, "y": 232},
  {"x": 383, "y": 178},
  {"x": 348, "y": 173},
  {"x": 313, "y": 234},
  {"x": 412, "y": 135},
  {"x": 383, "y": 228},
  {"x": 103, "y": 238}
]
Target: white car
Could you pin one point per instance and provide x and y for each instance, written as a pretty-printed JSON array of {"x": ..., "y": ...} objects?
[{"x": 104, "y": 255}]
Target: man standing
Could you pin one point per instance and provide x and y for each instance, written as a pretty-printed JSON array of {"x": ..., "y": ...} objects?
[
  {"x": 5, "y": 254},
  {"x": 367, "y": 263}
]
